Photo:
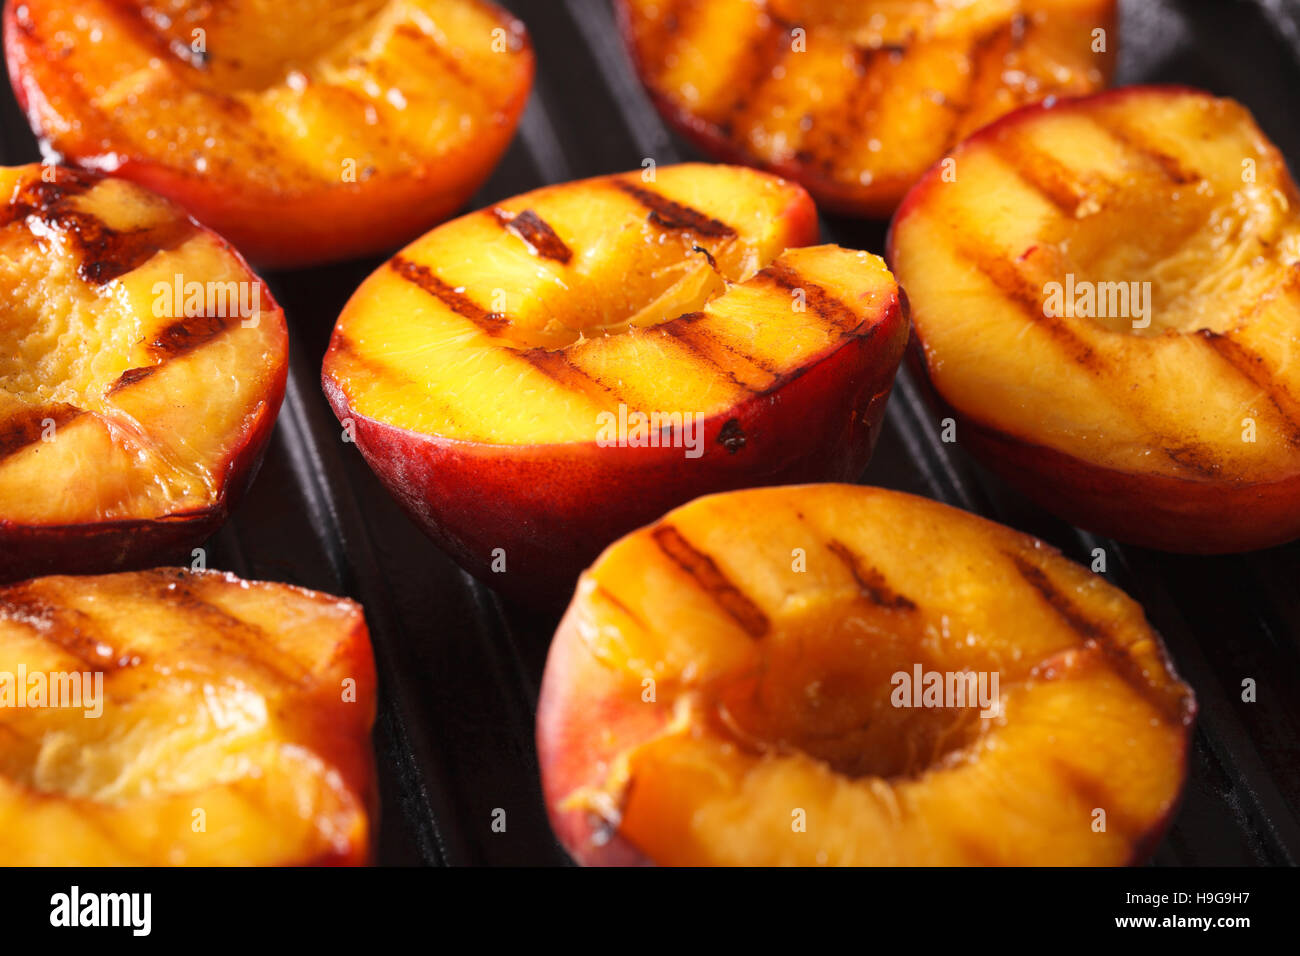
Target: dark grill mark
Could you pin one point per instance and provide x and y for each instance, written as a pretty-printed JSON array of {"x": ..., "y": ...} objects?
[
  {"x": 989, "y": 51},
  {"x": 654, "y": 45},
  {"x": 146, "y": 21},
  {"x": 836, "y": 133},
  {"x": 1037, "y": 578},
  {"x": 870, "y": 581},
  {"x": 706, "y": 573},
  {"x": 106, "y": 254},
  {"x": 984, "y": 56},
  {"x": 748, "y": 371},
  {"x": 38, "y": 197},
  {"x": 183, "y": 337},
  {"x": 346, "y": 350},
  {"x": 248, "y": 641},
  {"x": 682, "y": 334},
  {"x": 1054, "y": 181},
  {"x": 759, "y": 367},
  {"x": 540, "y": 238},
  {"x": 768, "y": 49},
  {"x": 1168, "y": 166},
  {"x": 1170, "y": 701},
  {"x": 73, "y": 632},
  {"x": 1252, "y": 366},
  {"x": 672, "y": 215},
  {"x": 613, "y": 599},
  {"x": 455, "y": 299},
  {"x": 557, "y": 366},
  {"x": 1093, "y": 794},
  {"x": 444, "y": 58},
  {"x": 816, "y": 299},
  {"x": 1017, "y": 288},
  {"x": 25, "y": 426}
]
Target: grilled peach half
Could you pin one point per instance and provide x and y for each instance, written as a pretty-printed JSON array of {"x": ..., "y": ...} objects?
[
  {"x": 856, "y": 100},
  {"x": 185, "y": 718},
  {"x": 304, "y": 131},
  {"x": 834, "y": 674},
  {"x": 141, "y": 369},
  {"x": 537, "y": 378},
  {"x": 1105, "y": 300}
]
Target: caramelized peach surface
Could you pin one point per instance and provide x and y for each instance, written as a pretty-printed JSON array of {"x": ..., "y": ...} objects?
[
  {"x": 1105, "y": 296},
  {"x": 573, "y": 298},
  {"x": 723, "y": 690},
  {"x": 484, "y": 370},
  {"x": 232, "y": 727},
  {"x": 303, "y": 131},
  {"x": 141, "y": 368},
  {"x": 857, "y": 100}
]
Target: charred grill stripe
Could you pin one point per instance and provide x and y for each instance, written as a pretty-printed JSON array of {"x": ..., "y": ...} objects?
[
  {"x": 668, "y": 214},
  {"x": 26, "y": 426},
  {"x": 1012, "y": 284},
  {"x": 108, "y": 254},
  {"x": 985, "y": 50},
  {"x": 105, "y": 254},
  {"x": 818, "y": 301},
  {"x": 455, "y": 299},
  {"x": 1049, "y": 177},
  {"x": 698, "y": 348},
  {"x": 1095, "y": 795},
  {"x": 837, "y": 131},
  {"x": 984, "y": 58},
  {"x": 1097, "y": 635},
  {"x": 1015, "y": 286},
  {"x": 1252, "y": 366},
  {"x": 536, "y": 233},
  {"x": 38, "y": 197},
  {"x": 249, "y": 641},
  {"x": 151, "y": 23},
  {"x": 70, "y": 630},
  {"x": 561, "y": 369},
  {"x": 608, "y": 595},
  {"x": 704, "y": 571},
  {"x": 437, "y": 52},
  {"x": 707, "y": 341},
  {"x": 346, "y": 350},
  {"x": 870, "y": 581},
  {"x": 654, "y": 46},
  {"x": 1036, "y": 578},
  {"x": 182, "y": 337},
  {"x": 1169, "y": 166},
  {"x": 768, "y": 49}
]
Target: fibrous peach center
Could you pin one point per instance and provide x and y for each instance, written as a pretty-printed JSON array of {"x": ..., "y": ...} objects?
[
  {"x": 1178, "y": 259},
  {"x": 660, "y": 278},
  {"x": 858, "y": 703},
  {"x": 59, "y": 341},
  {"x": 129, "y": 753}
]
